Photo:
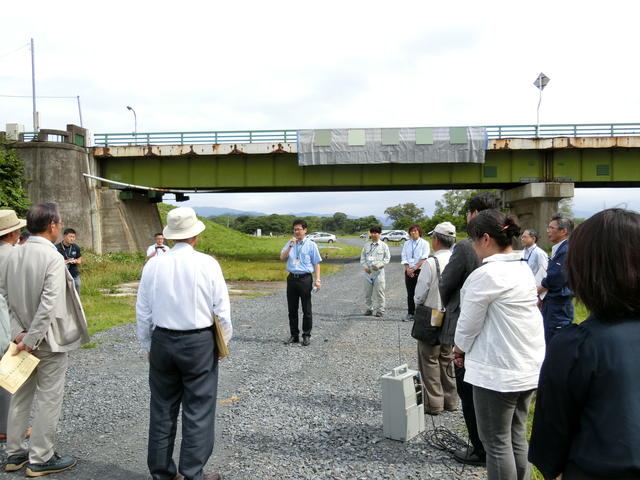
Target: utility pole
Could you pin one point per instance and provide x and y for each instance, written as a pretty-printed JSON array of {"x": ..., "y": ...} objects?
[{"x": 33, "y": 89}]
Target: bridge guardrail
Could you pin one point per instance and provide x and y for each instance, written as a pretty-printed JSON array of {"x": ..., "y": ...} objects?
[{"x": 291, "y": 136}]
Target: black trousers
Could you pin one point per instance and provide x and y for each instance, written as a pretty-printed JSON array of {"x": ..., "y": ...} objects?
[
  {"x": 183, "y": 369},
  {"x": 465, "y": 392},
  {"x": 299, "y": 290},
  {"x": 411, "y": 283}
]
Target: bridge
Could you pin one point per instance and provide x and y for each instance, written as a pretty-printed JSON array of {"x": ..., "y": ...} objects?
[{"x": 534, "y": 166}]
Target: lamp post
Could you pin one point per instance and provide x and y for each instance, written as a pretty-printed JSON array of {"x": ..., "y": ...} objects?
[
  {"x": 540, "y": 82},
  {"x": 135, "y": 124}
]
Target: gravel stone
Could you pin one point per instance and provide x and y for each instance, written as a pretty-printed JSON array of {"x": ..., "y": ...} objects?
[{"x": 284, "y": 411}]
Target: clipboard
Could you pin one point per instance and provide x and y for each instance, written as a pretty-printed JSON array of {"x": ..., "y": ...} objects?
[{"x": 221, "y": 347}]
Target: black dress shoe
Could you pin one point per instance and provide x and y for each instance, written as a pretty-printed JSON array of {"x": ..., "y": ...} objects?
[
  {"x": 469, "y": 456},
  {"x": 292, "y": 339},
  {"x": 306, "y": 341}
]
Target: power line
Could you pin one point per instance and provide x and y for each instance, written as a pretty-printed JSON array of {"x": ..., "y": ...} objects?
[
  {"x": 14, "y": 51},
  {"x": 38, "y": 96}
]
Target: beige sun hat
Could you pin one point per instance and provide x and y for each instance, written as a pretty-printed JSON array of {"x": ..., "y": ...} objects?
[
  {"x": 9, "y": 222},
  {"x": 182, "y": 223}
]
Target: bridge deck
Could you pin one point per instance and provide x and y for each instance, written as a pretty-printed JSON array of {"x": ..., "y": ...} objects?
[{"x": 586, "y": 161}]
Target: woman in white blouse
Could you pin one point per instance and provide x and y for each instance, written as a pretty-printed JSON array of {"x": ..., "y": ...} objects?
[{"x": 500, "y": 341}]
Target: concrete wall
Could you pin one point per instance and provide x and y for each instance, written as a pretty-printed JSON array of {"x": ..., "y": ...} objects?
[{"x": 103, "y": 222}]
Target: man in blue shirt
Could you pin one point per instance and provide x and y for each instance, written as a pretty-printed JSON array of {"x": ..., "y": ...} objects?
[{"x": 303, "y": 260}]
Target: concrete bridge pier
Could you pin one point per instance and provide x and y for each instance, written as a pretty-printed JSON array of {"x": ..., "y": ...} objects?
[
  {"x": 535, "y": 203},
  {"x": 103, "y": 221}
]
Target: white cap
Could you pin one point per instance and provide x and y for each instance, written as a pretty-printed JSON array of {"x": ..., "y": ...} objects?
[{"x": 444, "y": 228}]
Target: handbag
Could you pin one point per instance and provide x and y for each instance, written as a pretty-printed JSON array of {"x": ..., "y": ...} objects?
[
  {"x": 427, "y": 321},
  {"x": 221, "y": 347}
]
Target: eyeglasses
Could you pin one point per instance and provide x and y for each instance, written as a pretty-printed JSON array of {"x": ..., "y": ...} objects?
[
  {"x": 298, "y": 229},
  {"x": 552, "y": 228}
]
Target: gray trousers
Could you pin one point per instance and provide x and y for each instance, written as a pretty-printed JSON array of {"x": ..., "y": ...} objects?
[
  {"x": 374, "y": 293},
  {"x": 46, "y": 383},
  {"x": 438, "y": 378},
  {"x": 502, "y": 425},
  {"x": 183, "y": 370}
]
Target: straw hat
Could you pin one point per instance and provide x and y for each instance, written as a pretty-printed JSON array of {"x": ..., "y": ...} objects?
[
  {"x": 9, "y": 222},
  {"x": 182, "y": 223}
]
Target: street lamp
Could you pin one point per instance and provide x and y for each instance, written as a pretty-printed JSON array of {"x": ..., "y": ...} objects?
[
  {"x": 540, "y": 82},
  {"x": 135, "y": 123}
]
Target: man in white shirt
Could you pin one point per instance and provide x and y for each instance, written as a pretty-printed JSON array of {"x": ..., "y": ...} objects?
[
  {"x": 157, "y": 248},
  {"x": 179, "y": 293},
  {"x": 535, "y": 256},
  {"x": 414, "y": 252}
]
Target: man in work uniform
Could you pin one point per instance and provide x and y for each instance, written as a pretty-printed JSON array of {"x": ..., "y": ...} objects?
[
  {"x": 179, "y": 293},
  {"x": 303, "y": 259},
  {"x": 374, "y": 256},
  {"x": 557, "y": 306}
]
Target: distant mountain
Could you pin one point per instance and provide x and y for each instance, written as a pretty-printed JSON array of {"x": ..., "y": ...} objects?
[{"x": 218, "y": 211}]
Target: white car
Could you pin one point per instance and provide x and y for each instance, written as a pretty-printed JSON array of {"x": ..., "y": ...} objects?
[
  {"x": 322, "y": 237},
  {"x": 395, "y": 236}
]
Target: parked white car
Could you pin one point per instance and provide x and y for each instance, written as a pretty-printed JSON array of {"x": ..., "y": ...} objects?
[
  {"x": 395, "y": 236},
  {"x": 322, "y": 237}
]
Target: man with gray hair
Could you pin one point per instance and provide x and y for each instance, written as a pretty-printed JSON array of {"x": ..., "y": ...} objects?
[
  {"x": 47, "y": 321},
  {"x": 180, "y": 292},
  {"x": 557, "y": 305}
]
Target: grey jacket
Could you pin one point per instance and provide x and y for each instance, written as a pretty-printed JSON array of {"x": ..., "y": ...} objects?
[
  {"x": 42, "y": 299},
  {"x": 463, "y": 261}
]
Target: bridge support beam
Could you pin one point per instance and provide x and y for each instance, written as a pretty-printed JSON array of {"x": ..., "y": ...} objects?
[
  {"x": 104, "y": 223},
  {"x": 535, "y": 203}
]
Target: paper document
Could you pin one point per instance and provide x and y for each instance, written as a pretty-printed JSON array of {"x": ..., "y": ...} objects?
[{"x": 16, "y": 369}]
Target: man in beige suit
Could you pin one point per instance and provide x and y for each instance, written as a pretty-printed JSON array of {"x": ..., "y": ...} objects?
[{"x": 47, "y": 320}]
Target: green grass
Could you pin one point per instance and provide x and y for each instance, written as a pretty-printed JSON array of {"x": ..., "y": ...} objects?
[{"x": 242, "y": 258}]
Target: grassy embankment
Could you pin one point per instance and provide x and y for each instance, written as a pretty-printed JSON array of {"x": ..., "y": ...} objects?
[{"x": 242, "y": 258}]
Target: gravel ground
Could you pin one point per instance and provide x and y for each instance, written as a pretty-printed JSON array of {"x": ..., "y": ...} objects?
[{"x": 286, "y": 412}]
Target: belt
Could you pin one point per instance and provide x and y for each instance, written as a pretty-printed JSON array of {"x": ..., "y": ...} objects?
[
  {"x": 299, "y": 275},
  {"x": 183, "y": 332}
]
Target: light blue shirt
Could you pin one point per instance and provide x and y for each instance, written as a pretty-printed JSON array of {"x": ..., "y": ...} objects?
[
  {"x": 303, "y": 256},
  {"x": 415, "y": 250},
  {"x": 536, "y": 258}
]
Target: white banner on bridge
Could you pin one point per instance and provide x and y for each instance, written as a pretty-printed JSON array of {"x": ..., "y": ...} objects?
[{"x": 392, "y": 145}]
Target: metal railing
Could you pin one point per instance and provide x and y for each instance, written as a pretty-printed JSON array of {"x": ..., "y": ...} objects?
[
  {"x": 291, "y": 136},
  {"x": 564, "y": 130},
  {"x": 189, "y": 138}
]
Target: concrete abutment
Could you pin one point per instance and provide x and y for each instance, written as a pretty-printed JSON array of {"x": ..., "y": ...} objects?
[{"x": 103, "y": 222}]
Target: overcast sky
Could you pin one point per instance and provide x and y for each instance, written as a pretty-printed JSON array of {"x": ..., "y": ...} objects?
[{"x": 249, "y": 65}]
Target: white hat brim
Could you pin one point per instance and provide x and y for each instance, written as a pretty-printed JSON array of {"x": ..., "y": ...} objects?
[{"x": 21, "y": 224}]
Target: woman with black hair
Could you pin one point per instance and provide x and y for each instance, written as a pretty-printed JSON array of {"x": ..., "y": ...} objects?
[
  {"x": 587, "y": 420},
  {"x": 500, "y": 341}
]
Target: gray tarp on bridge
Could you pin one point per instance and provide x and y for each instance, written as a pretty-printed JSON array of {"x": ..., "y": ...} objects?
[{"x": 392, "y": 145}]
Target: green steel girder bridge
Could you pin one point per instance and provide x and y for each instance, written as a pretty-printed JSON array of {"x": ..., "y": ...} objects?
[{"x": 594, "y": 155}]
